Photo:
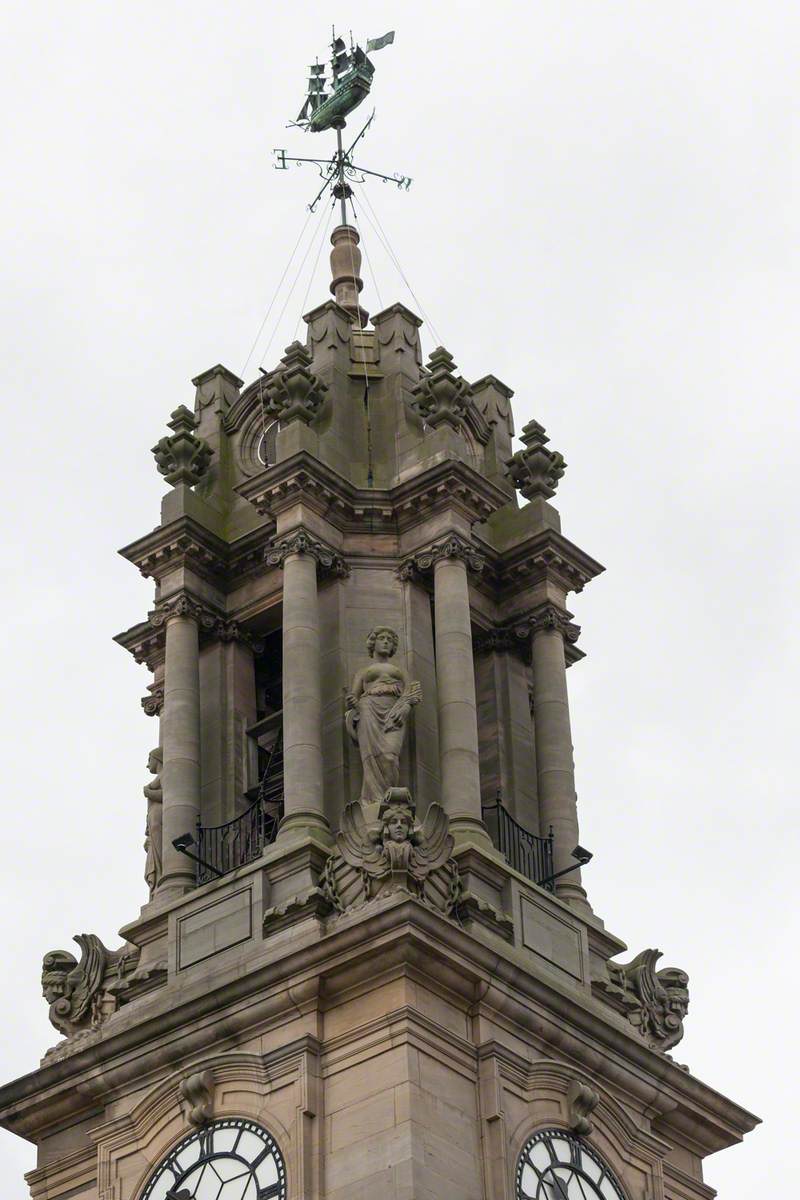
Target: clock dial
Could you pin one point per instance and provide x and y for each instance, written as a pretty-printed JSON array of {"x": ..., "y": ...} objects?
[
  {"x": 557, "y": 1165},
  {"x": 231, "y": 1159}
]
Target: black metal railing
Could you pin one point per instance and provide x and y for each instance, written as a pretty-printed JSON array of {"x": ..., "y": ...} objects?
[
  {"x": 223, "y": 848},
  {"x": 527, "y": 853}
]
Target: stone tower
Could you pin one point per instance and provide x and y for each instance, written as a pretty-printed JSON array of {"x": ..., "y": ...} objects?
[{"x": 367, "y": 966}]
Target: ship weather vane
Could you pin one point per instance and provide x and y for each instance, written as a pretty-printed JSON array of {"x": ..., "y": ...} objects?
[{"x": 327, "y": 106}]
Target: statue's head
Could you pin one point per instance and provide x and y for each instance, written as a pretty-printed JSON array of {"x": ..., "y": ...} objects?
[
  {"x": 155, "y": 761},
  {"x": 397, "y": 824},
  {"x": 56, "y": 966},
  {"x": 396, "y": 815},
  {"x": 382, "y": 641},
  {"x": 676, "y": 984}
]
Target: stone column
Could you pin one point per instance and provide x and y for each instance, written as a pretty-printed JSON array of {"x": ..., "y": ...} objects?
[
  {"x": 455, "y": 682},
  {"x": 180, "y": 727},
  {"x": 300, "y": 557},
  {"x": 558, "y": 806}
]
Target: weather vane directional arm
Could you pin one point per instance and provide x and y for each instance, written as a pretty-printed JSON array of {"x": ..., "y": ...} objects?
[{"x": 351, "y": 78}]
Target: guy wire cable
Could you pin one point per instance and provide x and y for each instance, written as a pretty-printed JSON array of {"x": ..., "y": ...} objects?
[{"x": 275, "y": 295}]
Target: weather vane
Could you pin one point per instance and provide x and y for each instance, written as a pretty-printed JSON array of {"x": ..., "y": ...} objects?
[{"x": 350, "y": 83}]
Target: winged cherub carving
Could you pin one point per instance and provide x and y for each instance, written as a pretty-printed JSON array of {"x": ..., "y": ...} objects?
[
  {"x": 73, "y": 989},
  {"x": 397, "y": 856},
  {"x": 657, "y": 1000}
]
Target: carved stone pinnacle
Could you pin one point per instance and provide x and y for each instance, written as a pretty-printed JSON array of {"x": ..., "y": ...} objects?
[
  {"x": 441, "y": 397},
  {"x": 184, "y": 457},
  {"x": 536, "y": 471},
  {"x": 294, "y": 392}
]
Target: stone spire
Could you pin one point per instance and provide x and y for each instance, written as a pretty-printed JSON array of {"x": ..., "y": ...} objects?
[{"x": 345, "y": 266}]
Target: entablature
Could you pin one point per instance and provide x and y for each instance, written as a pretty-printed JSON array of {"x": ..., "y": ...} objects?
[{"x": 449, "y": 484}]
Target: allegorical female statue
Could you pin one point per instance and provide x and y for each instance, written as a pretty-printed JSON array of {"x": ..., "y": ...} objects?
[
  {"x": 153, "y": 830},
  {"x": 378, "y": 709}
]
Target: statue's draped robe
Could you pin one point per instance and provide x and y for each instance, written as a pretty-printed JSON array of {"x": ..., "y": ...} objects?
[{"x": 380, "y": 748}]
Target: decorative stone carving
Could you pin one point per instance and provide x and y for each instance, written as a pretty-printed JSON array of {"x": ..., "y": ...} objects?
[
  {"x": 182, "y": 604},
  {"x": 536, "y": 471},
  {"x": 72, "y": 989},
  {"x": 184, "y": 457},
  {"x": 451, "y": 547},
  {"x": 153, "y": 829},
  {"x": 396, "y": 856},
  {"x": 293, "y": 391},
  {"x": 441, "y": 397},
  {"x": 581, "y": 1101},
  {"x": 197, "y": 1098},
  {"x": 655, "y": 1002},
  {"x": 328, "y": 561},
  {"x": 153, "y": 702},
  {"x": 377, "y": 711}
]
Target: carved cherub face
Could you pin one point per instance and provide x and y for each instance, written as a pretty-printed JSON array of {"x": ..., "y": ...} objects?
[
  {"x": 397, "y": 825},
  {"x": 382, "y": 642},
  {"x": 55, "y": 968}
]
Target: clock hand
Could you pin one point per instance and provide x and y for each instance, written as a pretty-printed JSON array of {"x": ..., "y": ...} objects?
[
  {"x": 183, "y": 1194},
  {"x": 562, "y": 1191}
]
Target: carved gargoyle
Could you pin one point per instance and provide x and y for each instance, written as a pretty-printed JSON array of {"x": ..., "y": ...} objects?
[
  {"x": 73, "y": 989},
  {"x": 397, "y": 856},
  {"x": 655, "y": 1002}
]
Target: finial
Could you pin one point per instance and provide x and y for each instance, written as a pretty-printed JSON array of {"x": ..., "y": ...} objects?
[
  {"x": 535, "y": 471},
  {"x": 345, "y": 267},
  {"x": 184, "y": 457}
]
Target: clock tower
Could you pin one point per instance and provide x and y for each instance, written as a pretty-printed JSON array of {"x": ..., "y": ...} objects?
[{"x": 366, "y": 965}]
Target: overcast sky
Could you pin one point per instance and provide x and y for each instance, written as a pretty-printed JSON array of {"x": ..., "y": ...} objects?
[{"x": 603, "y": 214}]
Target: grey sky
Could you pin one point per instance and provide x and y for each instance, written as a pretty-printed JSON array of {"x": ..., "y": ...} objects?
[{"x": 603, "y": 214}]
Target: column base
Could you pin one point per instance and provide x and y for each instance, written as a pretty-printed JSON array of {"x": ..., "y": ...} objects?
[
  {"x": 304, "y": 824},
  {"x": 470, "y": 830},
  {"x": 575, "y": 896}
]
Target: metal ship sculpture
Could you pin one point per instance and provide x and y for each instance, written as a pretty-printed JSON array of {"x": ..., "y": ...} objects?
[{"x": 350, "y": 83}]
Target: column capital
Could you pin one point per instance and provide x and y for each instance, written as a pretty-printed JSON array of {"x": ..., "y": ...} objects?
[
  {"x": 328, "y": 560},
  {"x": 209, "y": 620},
  {"x": 452, "y": 547},
  {"x": 153, "y": 702},
  {"x": 550, "y": 616}
]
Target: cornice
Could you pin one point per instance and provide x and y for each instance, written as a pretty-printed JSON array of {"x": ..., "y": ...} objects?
[
  {"x": 405, "y": 932},
  {"x": 449, "y": 484},
  {"x": 186, "y": 543},
  {"x": 543, "y": 556}
]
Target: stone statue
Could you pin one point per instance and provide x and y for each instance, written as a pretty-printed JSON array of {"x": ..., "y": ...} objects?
[
  {"x": 153, "y": 830},
  {"x": 656, "y": 1002},
  {"x": 72, "y": 989},
  {"x": 378, "y": 708},
  {"x": 397, "y": 856}
]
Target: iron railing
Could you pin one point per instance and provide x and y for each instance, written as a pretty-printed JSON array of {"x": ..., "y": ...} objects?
[
  {"x": 527, "y": 853},
  {"x": 223, "y": 848}
]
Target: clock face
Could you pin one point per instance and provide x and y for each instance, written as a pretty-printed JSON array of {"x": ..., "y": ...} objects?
[
  {"x": 230, "y": 1159},
  {"x": 557, "y": 1165}
]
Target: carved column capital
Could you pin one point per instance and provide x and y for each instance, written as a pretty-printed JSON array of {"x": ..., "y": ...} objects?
[
  {"x": 514, "y": 639},
  {"x": 549, "y": 616},
  {"x": 153, "y": 702},
  {"x": 327, "y": 560},
  {"x": 451, "y": 547},
  {"x": 209, "y": 621}
]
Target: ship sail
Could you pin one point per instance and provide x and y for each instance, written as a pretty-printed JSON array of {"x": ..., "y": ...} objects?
[{"x": 341, "y": 59}]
